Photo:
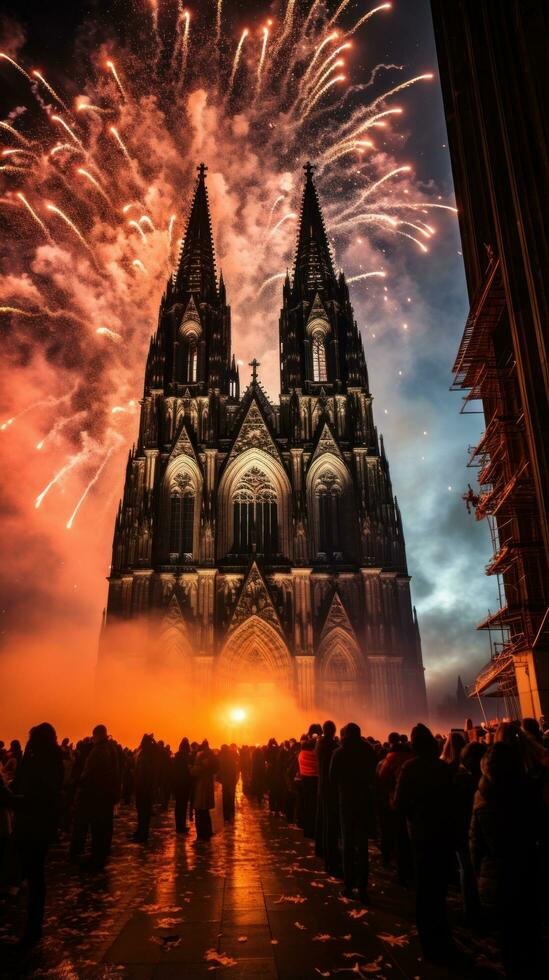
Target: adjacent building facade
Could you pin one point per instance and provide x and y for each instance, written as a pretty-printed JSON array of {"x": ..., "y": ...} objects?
[
  {"x": 493, "y": 70},
  {"x": 260, "y": 544}
]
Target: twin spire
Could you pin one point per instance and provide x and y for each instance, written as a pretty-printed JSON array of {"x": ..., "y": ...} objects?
[{"x": 196, "y": 271}]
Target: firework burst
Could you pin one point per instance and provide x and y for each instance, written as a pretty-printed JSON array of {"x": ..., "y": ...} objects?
[{"x": 252, "y": 101}]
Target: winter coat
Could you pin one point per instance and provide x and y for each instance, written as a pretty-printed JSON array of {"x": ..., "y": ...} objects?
[
  {"x": 203, "y": 772},
  {"x": 503, "y": 849},
  {"x": 39, "y": 793},
  {"x": 228, "y": 770},
  {"x": 388, "y": 771},
  {"x": 352, "y": 776},
  {"x": 424, "y": 797},
  {"x": 181, "y": 773},
  {"x": 145, "y": 771},
  {"x": 100, "y": 780}
]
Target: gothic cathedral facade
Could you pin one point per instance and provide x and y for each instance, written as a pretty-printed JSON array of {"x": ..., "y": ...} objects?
[{"x": 260, "y": 544}]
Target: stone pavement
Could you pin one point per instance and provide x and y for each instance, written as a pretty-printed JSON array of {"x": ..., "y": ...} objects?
[{"x": 252, "y": 903}]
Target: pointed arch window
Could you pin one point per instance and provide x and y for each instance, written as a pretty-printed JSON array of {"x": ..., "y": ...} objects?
[
  {"x": 319, "y": 357},
  {"x": 182, "y": 496},
  {"x": 329, "y": 495},
  {"x": 255, "y": 515},
  {"x": 192, "y": 359}
]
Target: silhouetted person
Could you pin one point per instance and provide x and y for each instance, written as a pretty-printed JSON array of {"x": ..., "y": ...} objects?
[
  {"x": 181, "y": 784},
  {"x": 203, "y": 794},
  {"x": 424, "y": 796},
  {"x": 504, "y": 856},
  {"x": 145, "y": 786},
  {"x": 466, "y": 782},
  {"x": 327, "y": 821},
  {"x": 257, "y": 783},
  {"x": 37, "y": 813},
  {"x": 227, "y": 775},
  {"x": 352, "y": 775},
  {"x": 98, "y": 791},
  {"x": 274, "y": 776},
  {"x": 307, "y": 786}
]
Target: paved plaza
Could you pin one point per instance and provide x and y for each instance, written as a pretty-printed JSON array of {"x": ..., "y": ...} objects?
[{"x": 253, "y": 903}]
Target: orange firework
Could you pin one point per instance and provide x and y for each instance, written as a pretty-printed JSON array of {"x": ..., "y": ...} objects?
[
  {"x": 70, "y": 224},
  {"x": 34, "y": 215},
  {"x": 50, "y": 90},
  {"x": 92, "y": 180},
  {"x": 112, "y": 69},
  {"x": 15, "y": 132}
]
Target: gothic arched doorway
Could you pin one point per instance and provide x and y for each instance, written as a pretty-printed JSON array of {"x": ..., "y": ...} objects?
[{"x": 255, "y": 662}]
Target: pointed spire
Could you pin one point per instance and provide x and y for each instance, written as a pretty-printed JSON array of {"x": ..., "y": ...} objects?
[
  {"x": 313, "y": 260},
  {"x": 196, "y": 269}
]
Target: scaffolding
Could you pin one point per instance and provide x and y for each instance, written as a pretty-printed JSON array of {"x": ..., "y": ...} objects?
[{"x": 486, "y": 371}]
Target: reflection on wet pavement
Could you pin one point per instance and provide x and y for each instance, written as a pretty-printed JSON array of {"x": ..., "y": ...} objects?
[{"x": 252, "y": 903}]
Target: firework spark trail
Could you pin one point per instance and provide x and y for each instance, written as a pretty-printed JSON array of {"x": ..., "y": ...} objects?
[
  {"x": 170, "y": 228},
  {"x": 365, "y": 111},
  {"x": 313, "y": 101},
  {"x": 73, "y": 461},
  {"x": 89, "y": 107},
  {"x": 139, "y": 265},
  {"x": 73, "y": 136},
  {"x": 287, "y": 26},
  {"x": 310, "y": 66},
  {"x": 51, "y": 90},
  {"x": 367, "y": 275},
  {"x": 14, "y": 168},
  {"x": 137, "y": 226},
  {"x": 116, "y": 135},
  {"x": 6, "y": 57},
  {"x": 17, "y": 311},
  {"x": 15, "y": 132},
  {"x": 270, "y": 281},
  {"x": 92, "y": 483},
  {"x": 366, "y": 17},
  {"x": 112, "y": 68},
  {"x": 316, "y": 85},
  {"x": 218, "y": 13},
  {"x": 184, "y": 49},
  {"x": 261, "y": 61},
  {"x": 287, "y": 217},
  {"x": 49, "y": 402},
  {"x": 274, "y": 205},
  {"x": 327, "y": 61},
  {"x": 34, "y": 215},
  {"x": 236, "y": 60},
  {"x": 339, "y": 11},
  {"x": 313, "y": 10},
  {"x": 18, "y": 151},
  {"x": 70, "y": 224},
  {"x": 96, "y": 184},
  {"x": 68, "y": 147},
  {"x": 58, "y": 427},
  {"x": 145, "y": 220},
  {"x": 111, "y": 334}
]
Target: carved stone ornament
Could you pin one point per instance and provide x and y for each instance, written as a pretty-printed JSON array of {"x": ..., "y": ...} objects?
[
  {"x": 255, "y": 600},
  {"x": 181, "y": 485},
  {"x": 254, "y": 434}
]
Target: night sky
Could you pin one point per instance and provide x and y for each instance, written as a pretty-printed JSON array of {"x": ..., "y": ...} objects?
[{"x": 426, "y": 437}]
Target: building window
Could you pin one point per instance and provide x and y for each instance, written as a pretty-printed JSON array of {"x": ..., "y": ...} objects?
[
  {"x": 319, "y": 358},
  {"x": 255, "y": 515},
  {"x": 192, "y": 359},
  {"x": 182, "y": 516},
  {"x": 328, "y": 493}
]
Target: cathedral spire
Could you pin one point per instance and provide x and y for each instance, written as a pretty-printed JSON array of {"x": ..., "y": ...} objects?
[
  {"x": 196, "y": 269},
  {"x": 313, "y": 261}
]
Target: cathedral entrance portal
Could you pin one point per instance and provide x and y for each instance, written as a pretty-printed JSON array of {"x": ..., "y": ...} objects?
[{"x": 255, "y": 662}]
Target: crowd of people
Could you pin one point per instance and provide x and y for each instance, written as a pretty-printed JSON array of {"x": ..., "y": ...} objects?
[{"x": 472, "y": 808}]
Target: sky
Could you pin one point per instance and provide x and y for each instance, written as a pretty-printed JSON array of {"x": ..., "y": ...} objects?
[{"x": 82, "y": 300}]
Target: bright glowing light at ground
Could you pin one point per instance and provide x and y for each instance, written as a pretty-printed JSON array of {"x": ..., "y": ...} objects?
[{"x": 238, "y": 714}]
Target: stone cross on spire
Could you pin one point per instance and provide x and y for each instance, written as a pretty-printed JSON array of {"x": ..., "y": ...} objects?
[
  {"x": 254, "y": 366},
  {"x": 202, "y": 168}
]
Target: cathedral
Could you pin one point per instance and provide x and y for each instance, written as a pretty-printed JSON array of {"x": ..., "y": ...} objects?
[{"x": 261, "y": 545}]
